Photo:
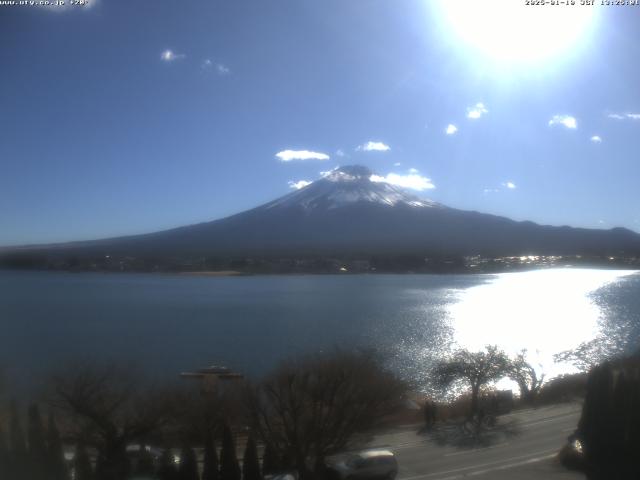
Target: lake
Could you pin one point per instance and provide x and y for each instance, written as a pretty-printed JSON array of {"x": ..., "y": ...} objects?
[{"x": 166, "y": 324}]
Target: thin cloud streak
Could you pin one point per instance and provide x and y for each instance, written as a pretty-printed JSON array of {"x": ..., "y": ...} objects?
[
  {"x": 299, "y": 184},
  {"x": 292, "y": 155},
  {"x": 412, "y": 181},
  {"x": 170, "y": 56},
  {"x": 220, "y": 68},
  {"x": 624, "y": 116},
  {"x": 372, "y": 146}
]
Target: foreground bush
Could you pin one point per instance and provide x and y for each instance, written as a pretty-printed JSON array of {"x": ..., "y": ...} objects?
[
  {"x": 609, "y": 428},
  {"x": 313, "y": 407},
  {"x": 564, "y": 388},
  {"x": 307, "y": 409}
]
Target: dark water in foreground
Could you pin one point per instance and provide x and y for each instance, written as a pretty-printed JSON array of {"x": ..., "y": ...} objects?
[{"x": 166, "y": 324}]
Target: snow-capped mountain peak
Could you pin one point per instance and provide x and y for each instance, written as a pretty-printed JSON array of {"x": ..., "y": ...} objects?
[
  {"x": 348, "y": 173},
  {"x": 349, "y": 185}
]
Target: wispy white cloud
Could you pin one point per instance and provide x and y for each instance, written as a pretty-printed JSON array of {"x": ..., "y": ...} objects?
[
  {"x": 596, "y": 139},
  {"x": 412, "y": 181},
  {"x": 340, "y": 153},
  {"x": 326, "y": 173},
  {"x": 508, "y": 185},
  {"x": 221, "y": 69},
  {"x": 476, "y": 111},
  {"x": 371, "y": 146},
  {"x": 170, "y": 56},
  {"x": 299, "y": 184},
  {"x": 397, "y": 164},
  {"x": 451, "y": 129},
  {"x": 565, "y": 120},
  {"x": 624, "y": 116},
  {"x": 291, "y": 155}
]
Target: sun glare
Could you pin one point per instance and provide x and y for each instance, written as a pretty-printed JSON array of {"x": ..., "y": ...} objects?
[
  {"x": 512, "y": 30},
  {"x": 558, "y": 317}
]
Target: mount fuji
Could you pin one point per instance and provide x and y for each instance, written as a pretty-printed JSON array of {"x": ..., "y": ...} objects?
[{"x": 350, "y": 211}]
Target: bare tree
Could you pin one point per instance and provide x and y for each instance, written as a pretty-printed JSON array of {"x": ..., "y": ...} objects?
[
  {"x": 201, "y": 414},
  {"x": 472, "y": 369},
  {"x": 108, "y": 405},
  {"x": 313, "y": 407},
  {"x": 523, "y": 373}
]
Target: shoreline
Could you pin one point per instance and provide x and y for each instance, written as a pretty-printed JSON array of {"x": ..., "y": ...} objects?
[
  {"x": 210, "y": 273},
  {"x": 239, "y": 273}
]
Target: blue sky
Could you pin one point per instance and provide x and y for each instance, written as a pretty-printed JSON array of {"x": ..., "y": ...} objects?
[{"x": 127, "y": 117}]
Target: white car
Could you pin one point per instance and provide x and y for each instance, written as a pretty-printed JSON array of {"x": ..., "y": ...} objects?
[{"x": 364, "y": 465}]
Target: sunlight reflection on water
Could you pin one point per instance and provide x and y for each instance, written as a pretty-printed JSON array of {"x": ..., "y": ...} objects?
[{"x": 544, "y": 311}]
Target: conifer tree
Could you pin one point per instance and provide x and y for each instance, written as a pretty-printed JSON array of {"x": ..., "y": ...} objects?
[
  {"x": 210, "y": 469},
  {"x": 270, "y": 460},
  {"x": 57, "y": 468},
  {"x": 18, "y": 458},
  {"x": 167, "y": 467},
  {"x": 609, "y": 426},
  {"x": 251, "y": 464},
  {"x": 100, "y": 470},
  {"x": 144, "y": 467},
  {"x": 188, "y": 469},
  {"x": 229, "y": 467},
  {"x": 82, "y": 464},
  {"x": 4, "y": 456},
  {"x": 37, "y": 445}
]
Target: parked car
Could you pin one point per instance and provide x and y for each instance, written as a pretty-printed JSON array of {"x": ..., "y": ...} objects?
[
  {"x": 364, "y": 465},
  {"x": 292, "y": 475}
]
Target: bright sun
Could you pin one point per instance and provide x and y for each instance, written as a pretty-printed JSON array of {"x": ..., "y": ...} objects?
[{"x": 511, "y": 30}]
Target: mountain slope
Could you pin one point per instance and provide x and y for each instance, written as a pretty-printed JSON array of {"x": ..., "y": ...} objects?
[{"x": 348, "y": 212}]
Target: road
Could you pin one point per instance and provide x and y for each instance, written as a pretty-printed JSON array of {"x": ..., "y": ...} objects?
[{"x": 524, "y": 448}]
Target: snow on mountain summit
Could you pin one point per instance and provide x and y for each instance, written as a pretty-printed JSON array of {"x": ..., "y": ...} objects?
[
  {"x": 349, "y": 173},
  {"x": 349, "y": 185}
]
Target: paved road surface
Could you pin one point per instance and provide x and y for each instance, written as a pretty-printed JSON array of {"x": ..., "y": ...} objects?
[{"x": 526, "y": 451}]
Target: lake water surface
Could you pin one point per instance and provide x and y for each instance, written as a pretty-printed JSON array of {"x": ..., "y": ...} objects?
[{"x": 166, "y": 324}]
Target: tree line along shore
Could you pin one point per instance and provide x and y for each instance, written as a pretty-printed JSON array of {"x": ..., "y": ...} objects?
[{"x": 317, "y": 264}]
